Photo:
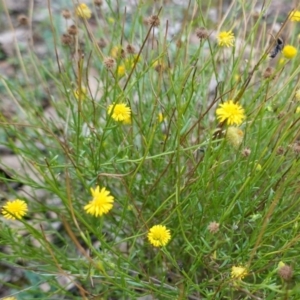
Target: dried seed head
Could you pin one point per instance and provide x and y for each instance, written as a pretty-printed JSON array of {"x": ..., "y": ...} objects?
[
  {"x": 159, "y": 68},
  {"x": 269, "y": 73},
  {"x": 255, "y": 15},
  {"x": 130, "y": 49},
  {"x": 109, "y": 62},
  {"x": 72, "y": 30},
  {"x": 296, "y": 148},
  {"x": 213, "y": 227},
  {"x": 22, "y": 20},
  {"x": 202, "y": 33},
  {"x": 234, "y": 136},
  {"x": 246, "y": 152},
  {"x": 178, "y": 43},
  {"x": 286, "y": 272},
  {"x": 66, "y": 14},
  {"x": 123, "y": 53},
  {"x": 280, "y": 150},
  {"x": 67, "y": 39},
  {"x": 153, "y": 21},
  {"x": 98, "y": 2},
  {"x": 102, "y": 44}
]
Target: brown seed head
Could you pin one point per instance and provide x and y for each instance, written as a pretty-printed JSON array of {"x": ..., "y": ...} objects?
[
  {"x": 178, "y": 43},
  {"x": 102, "y": 44},
  {"x": 280, "y": 150},
  {"x": 159, "y": 68},
  {"x": 153, "y": 21},
  {"x": 286, "y": 272},
  {"x": 72, "y": 30},
  {"x": 296, "y": 148},
  {"x": 98, "y": 2},
  {"x": 67, "y": 39},
  {"x": 123, "y": 53},
  {"x": 130, "y": 49},
  {"x": 109, "y": 62},
  {"x": 213, "y": 227},
  {"x": 66, "y": 14},
  {"x": 22, "y": 20},
  {"x": 269, "y": 73},
  {"x": 202, "y": 33},
  {"x": 246, "y": 152}
]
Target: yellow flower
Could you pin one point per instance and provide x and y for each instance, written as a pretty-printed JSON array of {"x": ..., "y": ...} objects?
[
  {"x": 258, "y": 167},
  {"x": 121, "y": 71},
  {"x": 15, "y": 209},
  {"x": 160, "y": 117},
  {"x": 295, "y": 16},
  {"x": 238, "y": 272},
  {"x": 80, "y": 94},
  {"x": 232, "y": 112},
  {"x": 289, "y": 51},
  {"x": 226, "y": 38},
  {"x": 111, "y": 20},
  {"x": 298, "y": 110},
  {"x": 234, "y": 135},
  {"x": 83, "y": 11},
  {"x": 119, "y": 112},
  {"x": 159, "y": 235},
  {"x": 127, "y": 121},
  {"x": 281, "y": 264},
  {"x": 101, "y": 204},
  {"x": 297, "y": 95},
  {"x": 117, "y": 52}
]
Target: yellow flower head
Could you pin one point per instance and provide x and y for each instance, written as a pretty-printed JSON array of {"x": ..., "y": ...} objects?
[
  {"x": 15, "y": 209},
  {"x": 119, "y": 112},
  {"x": 111, "y": 20},
  {"x": 127, "y": 121},
  {"x": 234, "y": 136},
  {"x": 159, "y": 235},
  {"x": 289, "y": 51},
  {"x": 238, "y": 272},
  {"x": 226, "y": 39},
  {"x": 117, "y": 52},
  {"x": 80, "y": 93},
  {"x": 101, "y": 204},
  {"x": 232, "y": 112},
  {"x": 160, "y": 117},
  {"x": 258, "y": 167},
  {"x": 121, "y": 71},
  {"x": 83, "y": 11},
  {"x": 295, "y": 16}
]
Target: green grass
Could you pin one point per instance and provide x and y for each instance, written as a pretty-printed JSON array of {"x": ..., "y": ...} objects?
[{"x": 181, "y": 172}]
